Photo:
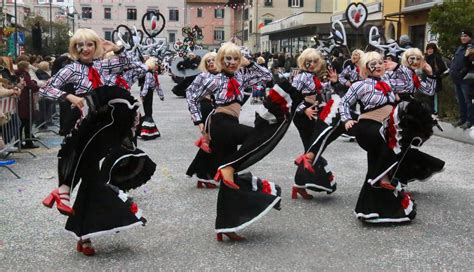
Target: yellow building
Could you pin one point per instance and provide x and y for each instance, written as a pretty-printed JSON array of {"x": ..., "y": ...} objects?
[{"x": 411, "y": 19}]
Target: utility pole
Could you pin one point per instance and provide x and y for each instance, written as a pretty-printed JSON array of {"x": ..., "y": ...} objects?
[
  {"x": 16, "y": 29},
  {"x": 50, "y": 20}
]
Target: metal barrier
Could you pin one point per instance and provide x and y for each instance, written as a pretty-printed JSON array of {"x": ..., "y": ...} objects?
[{"x": 9, "y": 130}]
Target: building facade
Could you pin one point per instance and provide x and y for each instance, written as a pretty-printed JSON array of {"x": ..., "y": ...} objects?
[
  {"x": 31, "y": 8},
  {"x": 214, "y": 17},
  {"x": 103, "y": 16}
]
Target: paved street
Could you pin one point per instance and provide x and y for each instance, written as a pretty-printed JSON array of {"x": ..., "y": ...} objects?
[{"x": 314, "y": 235}]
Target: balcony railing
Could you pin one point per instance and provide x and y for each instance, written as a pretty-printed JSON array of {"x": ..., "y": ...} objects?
[{"x": 410, "y": 3}]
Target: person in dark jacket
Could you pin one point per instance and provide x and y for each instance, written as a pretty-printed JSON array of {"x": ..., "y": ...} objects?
[
  {"x": 434, "y": 59},
  {"x": 25, "y": 103},
  {"x": 458, "y": 70}
]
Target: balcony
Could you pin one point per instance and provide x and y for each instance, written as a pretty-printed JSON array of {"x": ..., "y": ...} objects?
[{"x": 410, "y": 3}]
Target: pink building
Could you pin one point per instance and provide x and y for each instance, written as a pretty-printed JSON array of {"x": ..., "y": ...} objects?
[{"x": 214, "y": 18}]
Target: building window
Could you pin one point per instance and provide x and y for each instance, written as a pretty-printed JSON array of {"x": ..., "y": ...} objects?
[
  {"x": 108, "y": 13},
  {"x": 132, "y": 14},
  {"x": 246, "y": 14},
  {"x": 219, "y": 13},
  {"x": 199, "y": 12},
  {"x": 86, "y": 13},
  {"x": 148, "y": 17},
  {"x": 218, "y": 34},
  {"x": 108, "y": 35},
  {"x": 318, "y": 5},
  {"x": 250, "y": 27},
  {"x": 268, "y": 3},
  {"x": 246, "y": 35},
  {"x": 267, "y": 21},
  {"x": 295, "y": 3},
  {"x": 174, "y": 15},
  {"x": 172, "y": 37}
]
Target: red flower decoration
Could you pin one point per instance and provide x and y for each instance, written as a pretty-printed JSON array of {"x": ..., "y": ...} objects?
[
  {"x": 232, "y": 87},
  {"x": 383, "y": 87},
  {"x": 120, "y": 82},
  {"x": 266, "y": 188},
  {"x": 406, "y": 200}
]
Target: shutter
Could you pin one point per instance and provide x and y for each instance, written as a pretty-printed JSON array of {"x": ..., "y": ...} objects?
[
  {"x": 301, "y": 3},
  {"x": 289, "y": 3}
]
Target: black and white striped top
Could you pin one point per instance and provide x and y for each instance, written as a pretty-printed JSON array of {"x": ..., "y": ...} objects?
[
  {"x": 304, "y": 83},
  {"x": 77, "y": 72},
  {"x": 349, "y": 74},
  {"x": 365, "y": 92},
  {"x": 216, "y": 86},
  {"x": 150, "y": 84},
  {"x": 427, "y": 86}
]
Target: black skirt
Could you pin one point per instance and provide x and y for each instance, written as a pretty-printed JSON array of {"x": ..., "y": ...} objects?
[
  {"x": 322, "y": 180},
  {"x": 148, "y": 129}
]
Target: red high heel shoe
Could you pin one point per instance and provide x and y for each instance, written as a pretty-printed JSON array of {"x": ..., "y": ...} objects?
[
  {"x": 203, "y": 144},
  {"x": 231, "y": 235},
  {"x": 202, "y": 184},
  {"x": 229, "y": 183},
  {"x": 308, "y": 164},
  {"x": 88, "y": 251},
  {"x": 55, "y": 196},
  {"x": 302, "y": 191}
]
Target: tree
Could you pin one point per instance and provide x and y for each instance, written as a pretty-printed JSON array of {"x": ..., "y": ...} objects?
[
  {"x": 448, "y": 20},
  {"x": 56, "y": 45}
]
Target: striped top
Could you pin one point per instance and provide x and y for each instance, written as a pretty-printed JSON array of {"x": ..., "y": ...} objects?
[
  {"x": 426, "y": 86},
  {"x": 207, "y": 84},
  {"x": 151, "y": 84},
  {"x": 349, "y": 74},
  {"x": 77, "y": 72},
  {"x": 305, "y": 84},
  {"x": 365, "y": 92}
]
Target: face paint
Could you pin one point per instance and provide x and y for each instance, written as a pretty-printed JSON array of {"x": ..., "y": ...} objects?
[
  {"x": 311, "y": 63},
  {"x": 413, "y": 60},
  {"x": 373, "y": 65},
  {"x": 210, "y": 61},
  {"x": 231, "y": 60},
  {"x": 82, "y": 45}
]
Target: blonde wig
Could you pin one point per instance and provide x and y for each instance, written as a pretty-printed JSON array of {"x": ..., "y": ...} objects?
[
  {"x": 311, "y": 54},
  {"x": 361, "y": 56},
  {"x": 227, "y": 48},
  {"x": 81, "y": 35},
  {"x": 411, "y": 52},
  {"x": 203, "y": 65},
  {"x": 367, "y": 58}
]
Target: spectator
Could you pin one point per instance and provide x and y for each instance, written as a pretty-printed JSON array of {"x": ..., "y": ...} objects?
[
  {"x": 24, "y": 105},
  {"x": 405, "y": 42},
  {"x": 46, "y": 106},
  {"x": 458, "y": 70},
  {"x": 434, "y": 59}
]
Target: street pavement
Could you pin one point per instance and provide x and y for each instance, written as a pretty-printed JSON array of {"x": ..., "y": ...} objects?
[{"x": 306, "y": 235}]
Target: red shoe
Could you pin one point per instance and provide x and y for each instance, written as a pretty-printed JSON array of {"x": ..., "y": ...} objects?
[
  {"x": 203, "y": 144},
  {"x": 308, "y": 164},
  {"x": 55, "y": 196},
  {"x": 88, "y": 251},
  {"x": 302, "y": 191},
  {"x": 229, "y": 183},
  {"x": 231, "y": 235}
]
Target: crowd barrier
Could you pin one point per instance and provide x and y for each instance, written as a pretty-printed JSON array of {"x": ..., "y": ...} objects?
[{"x": 9, "y": 131}]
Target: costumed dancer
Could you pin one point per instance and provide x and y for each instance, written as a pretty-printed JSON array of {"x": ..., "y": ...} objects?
[
  {"x": 418, "y": 165},
  {"x": 148, "y": 129},
  {"x": 316, "y": 98},
  {"x": 243, "y": 198},
  {"x": 204, "y": 165},
  {"x": 105, "y": 127},
  {"x": 382, "y": 198},
  {"x": 351, "y": 73}
]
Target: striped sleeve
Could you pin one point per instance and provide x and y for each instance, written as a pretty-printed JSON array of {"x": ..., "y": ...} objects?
[
  {"x": 253, "y": 74},
  {"x": 400, "y": 79},
  {"x": 52, "y": 89},
  {"x": 428, "y": 86},
  {"x": 349, "y": 99},
  {"x": 200, "y": 87},
  {"x": 342, "y": 75}
]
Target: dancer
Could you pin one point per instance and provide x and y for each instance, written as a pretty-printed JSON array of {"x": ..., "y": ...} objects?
[
  {"x": 381, "y": 198},
  {"x": 204, "y": 164},
  {"x": 148, "y": 129},
  {"x": 316, "y": 177},
  {"x": 351, "y": 73},
  {"x": 106, "y": 121},
  {"x": 242, "y": 198}
]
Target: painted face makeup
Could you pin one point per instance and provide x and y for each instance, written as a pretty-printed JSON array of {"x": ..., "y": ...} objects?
[
  {"x": 413, "y": 60},
  {"x": 311, "y": 64},
  {"x": 375, "y": 65},
  {"x": 210, "y": 62},
  {"x": 84, "y": 45},
  {"x": 231, "y": 61}
]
